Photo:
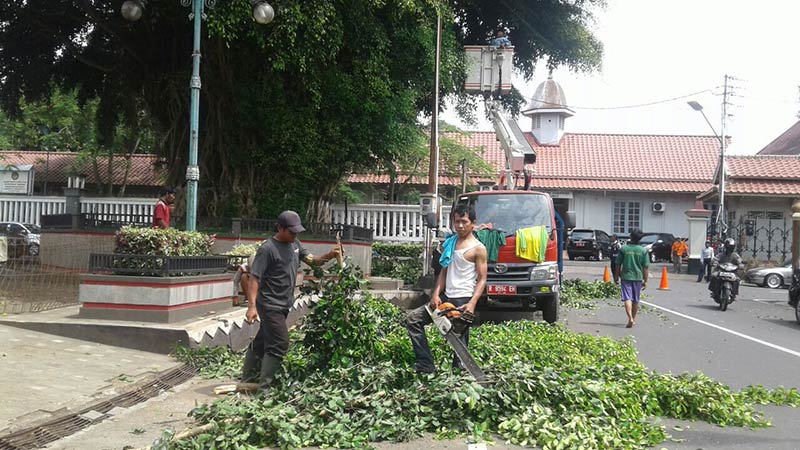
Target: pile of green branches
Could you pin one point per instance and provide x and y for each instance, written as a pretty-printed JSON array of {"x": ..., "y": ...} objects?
[{"x": 349, "y": 381}]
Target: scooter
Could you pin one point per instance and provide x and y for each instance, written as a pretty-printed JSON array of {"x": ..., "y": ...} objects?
[{"x": 727, "y": 284}]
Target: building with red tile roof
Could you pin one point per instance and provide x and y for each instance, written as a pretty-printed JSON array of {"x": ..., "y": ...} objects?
[
  {"x": 758, "y": 187},
  {"x": 147, "y": 173}
]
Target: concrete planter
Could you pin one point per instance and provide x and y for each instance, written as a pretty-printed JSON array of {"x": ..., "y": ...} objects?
[{"x": 153, "y": 299}]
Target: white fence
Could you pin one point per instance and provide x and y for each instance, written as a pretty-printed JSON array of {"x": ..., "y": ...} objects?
[
  {"x": 389, "y": 223},
  {"x": 30, "y": 209}
]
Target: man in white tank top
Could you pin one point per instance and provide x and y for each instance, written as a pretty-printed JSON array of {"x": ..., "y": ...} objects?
[{"x": 460, "y": 283}]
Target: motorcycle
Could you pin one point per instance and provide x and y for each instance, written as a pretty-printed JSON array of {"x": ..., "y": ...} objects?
[{"x": 727, "y": 284}]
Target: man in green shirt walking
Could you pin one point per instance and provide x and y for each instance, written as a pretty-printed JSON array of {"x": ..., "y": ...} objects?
[{"x": 632, "y": 264}]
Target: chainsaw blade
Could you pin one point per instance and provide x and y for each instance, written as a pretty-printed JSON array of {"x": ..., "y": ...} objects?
[{"x": 446, "y": 328}]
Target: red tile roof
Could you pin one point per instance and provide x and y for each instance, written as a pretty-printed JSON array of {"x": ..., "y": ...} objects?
[
  {"x": 416, "y": 180},
  {"x": 763, "y": 175},
  {"x": 763, "y": 187},
  {"x": 614, "y": 162},
  {"x": 144, "y": 171},
  {"x": 764, "y": 166}
]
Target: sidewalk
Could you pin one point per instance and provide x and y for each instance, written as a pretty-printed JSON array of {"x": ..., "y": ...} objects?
[{"x": 45, "y": 376}]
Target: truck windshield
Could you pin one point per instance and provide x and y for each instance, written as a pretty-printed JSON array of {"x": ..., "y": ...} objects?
[
  {"x": 510, "y": 212},
  {"x": 576, "y": 234}
]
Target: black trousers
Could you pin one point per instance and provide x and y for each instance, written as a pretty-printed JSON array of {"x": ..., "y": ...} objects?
[
  {"x": 273, "y": 334},
  {"x": 704, "y": 270}
]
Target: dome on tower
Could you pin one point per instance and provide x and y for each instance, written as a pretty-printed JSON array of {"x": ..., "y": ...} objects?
[{"x": 549, "y": 97}]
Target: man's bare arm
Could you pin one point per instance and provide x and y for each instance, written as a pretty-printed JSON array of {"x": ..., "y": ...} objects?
[{"x": 250, "y": 292}]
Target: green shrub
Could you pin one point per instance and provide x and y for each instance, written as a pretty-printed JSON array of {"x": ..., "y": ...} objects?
[
  {"x": 400, "y": 261},
  {"x": 404, "y": 250},
  {"x": 167, "y": 242}
]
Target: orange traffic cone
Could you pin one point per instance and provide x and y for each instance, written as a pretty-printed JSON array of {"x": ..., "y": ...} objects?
[
  {"x": 606, "y": 276},
  {"x": 664, "y": 281}
]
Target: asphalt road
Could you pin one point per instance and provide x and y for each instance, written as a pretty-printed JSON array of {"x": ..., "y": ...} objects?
[{"x": 756, "y": 341}]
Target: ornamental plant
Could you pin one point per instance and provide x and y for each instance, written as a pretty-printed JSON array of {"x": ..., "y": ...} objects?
[
  {"x": 167, "y": 242},
  {"x": 400, "y": 261}
]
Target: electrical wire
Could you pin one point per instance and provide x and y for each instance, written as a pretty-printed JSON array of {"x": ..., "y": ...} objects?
[{"x": 640, "y": 105}]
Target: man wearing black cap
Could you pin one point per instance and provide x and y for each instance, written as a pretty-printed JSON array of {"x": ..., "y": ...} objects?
[{"x": 270, "y": 294}]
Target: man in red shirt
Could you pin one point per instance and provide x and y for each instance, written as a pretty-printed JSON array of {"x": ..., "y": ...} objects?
[{"x": 161, "y": 213}]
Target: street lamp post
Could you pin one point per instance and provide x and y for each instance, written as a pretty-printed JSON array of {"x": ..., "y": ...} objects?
[
  {"x": 720, "y": 221},
  {"x": 132, "y": 10}
]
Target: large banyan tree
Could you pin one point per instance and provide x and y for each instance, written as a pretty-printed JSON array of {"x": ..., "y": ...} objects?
[{"x": 287, "y": 109}]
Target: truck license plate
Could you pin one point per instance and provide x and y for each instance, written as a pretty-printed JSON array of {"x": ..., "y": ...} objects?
[
  {"x": 579, "y": 244},
  {"x": 501, "y": 289}
]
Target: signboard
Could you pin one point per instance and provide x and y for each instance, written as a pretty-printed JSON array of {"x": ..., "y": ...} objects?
[
  {"x": 561, "y": 194},
  {"x": 16, "y": 179}
]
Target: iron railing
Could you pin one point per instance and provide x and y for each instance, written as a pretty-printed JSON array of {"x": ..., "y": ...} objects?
[
  {"x": 156, "y": 265},
  {"x": 347, "y": 233},
  {"x": 57, "y": 221},
  {"x": 236, "y": 226},
  {"x": 105, "y": 221},
  {"x": 763, "y": 239}
]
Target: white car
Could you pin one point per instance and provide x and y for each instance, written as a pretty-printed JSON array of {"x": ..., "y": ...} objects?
[{"x": 24, "y": 235}]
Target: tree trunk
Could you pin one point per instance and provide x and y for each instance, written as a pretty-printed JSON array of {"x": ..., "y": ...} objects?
[
  {"x": 110, "y": 172},
  {"x": 319, "y": 208},
  {"x": 96, "y": 170},
  {"x": 128, "y": 158}
]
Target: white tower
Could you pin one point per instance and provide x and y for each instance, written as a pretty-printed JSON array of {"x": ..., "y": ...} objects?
[{"x": 548, "y": 111}]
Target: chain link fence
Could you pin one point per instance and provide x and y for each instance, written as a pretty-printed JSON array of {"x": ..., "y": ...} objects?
[{"x": 26, "y": 285}]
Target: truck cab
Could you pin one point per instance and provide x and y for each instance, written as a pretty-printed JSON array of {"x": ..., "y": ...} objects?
[{"x": 514, "y": 283}]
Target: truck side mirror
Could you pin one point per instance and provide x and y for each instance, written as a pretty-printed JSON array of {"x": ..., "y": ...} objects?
[{"x": 569, "y": 220}]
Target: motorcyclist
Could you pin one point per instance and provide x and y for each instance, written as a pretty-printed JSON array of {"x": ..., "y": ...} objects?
[{"x": 727, "y": 255}]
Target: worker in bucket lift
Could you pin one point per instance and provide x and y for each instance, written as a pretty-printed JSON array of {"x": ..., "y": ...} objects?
[
  {"x": 461, "y": 282},
  {"x": 500, "y": 41}
]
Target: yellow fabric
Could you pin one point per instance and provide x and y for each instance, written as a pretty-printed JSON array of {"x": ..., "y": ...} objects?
[{"x": 532, "y": 243}]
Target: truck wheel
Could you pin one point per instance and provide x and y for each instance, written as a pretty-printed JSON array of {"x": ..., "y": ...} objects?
[
  {"x": 571, "y": 256},
  {"x": 550, "y": 309}
]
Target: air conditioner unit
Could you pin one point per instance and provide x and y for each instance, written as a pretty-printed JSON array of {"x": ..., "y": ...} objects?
[{"x": 659, "y": 206}]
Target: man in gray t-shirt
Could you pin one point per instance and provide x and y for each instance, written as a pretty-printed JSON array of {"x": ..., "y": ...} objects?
[{"x": 270, "y": 294}]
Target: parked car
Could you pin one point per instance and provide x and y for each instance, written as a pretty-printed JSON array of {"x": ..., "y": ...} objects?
[
  {"x": 770, "y": 277},
  {"x": 658, "y": 245},
  {"x": 23, "y": 238},
  {"x": 588, "y": 243}
]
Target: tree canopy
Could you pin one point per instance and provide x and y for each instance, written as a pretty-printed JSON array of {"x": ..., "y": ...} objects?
[{"x": 330, "y": 87}]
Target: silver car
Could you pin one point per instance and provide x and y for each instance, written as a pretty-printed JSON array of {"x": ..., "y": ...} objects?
[
  {"x": 22, "y": 237},
  {"x": 771, "y": 277}
]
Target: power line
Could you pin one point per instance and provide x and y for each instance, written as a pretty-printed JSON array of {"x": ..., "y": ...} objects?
[{"x": 640, "y": 105}]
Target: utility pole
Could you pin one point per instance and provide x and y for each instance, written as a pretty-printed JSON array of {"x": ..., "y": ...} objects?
[
  {"x": 463, "y": 176},
  {"x": 433, "y": 168},
  {"x": 722, "y": 227}
]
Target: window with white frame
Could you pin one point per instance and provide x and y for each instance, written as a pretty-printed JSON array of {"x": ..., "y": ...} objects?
[{"x": 627, "y": 216}]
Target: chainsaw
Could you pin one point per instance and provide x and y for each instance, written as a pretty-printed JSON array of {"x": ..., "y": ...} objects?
[{"x": 452, "y": 331}]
